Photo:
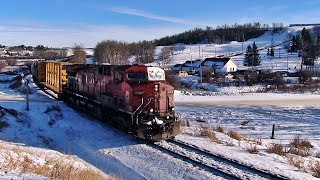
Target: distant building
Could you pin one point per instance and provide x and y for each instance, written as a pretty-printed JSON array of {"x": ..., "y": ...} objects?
[
  {"x": 217, "y": 65},
  {"x": 188, "y": 66},
  {"x": 220, "y": 65}
]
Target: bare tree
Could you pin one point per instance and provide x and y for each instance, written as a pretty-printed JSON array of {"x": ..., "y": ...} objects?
[
  {"x": 11, "y": 62},
  {"x": 117, "y": 52},
  {"x": 79, "y": 55},
  {"x": 2, "y": 66},
  {"x": 165, "y": 55},
  {"x": 101, "y": 52}
]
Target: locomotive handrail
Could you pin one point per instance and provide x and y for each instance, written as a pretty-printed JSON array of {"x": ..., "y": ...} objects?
[
  {"x": 144, "y": 107},
  {"x": 132, "y": 117}
]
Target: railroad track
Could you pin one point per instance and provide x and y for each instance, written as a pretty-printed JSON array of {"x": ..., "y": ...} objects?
[{"x": 217, "y": 165}]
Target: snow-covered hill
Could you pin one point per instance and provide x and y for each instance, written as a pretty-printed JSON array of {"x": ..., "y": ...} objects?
[
  {"x": 196, "y": 51},
  {"x": 282, "y": 60}
]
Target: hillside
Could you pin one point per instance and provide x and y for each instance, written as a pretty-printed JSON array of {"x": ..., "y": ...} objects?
[{"x": 282, "y": 61}]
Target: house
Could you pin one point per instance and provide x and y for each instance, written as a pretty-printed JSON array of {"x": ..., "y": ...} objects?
[
  {"x": 182, "y": 73},
  {"x": 220, "y": 65},
  {"x": 188, "y": 66}
]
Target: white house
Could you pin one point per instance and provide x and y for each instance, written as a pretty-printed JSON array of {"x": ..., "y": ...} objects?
[
  {"x": 220, "y": 65},
  {"x": 188, "y": 66}
]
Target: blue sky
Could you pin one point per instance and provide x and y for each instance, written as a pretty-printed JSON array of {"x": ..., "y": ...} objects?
[{"x": 60, "y": 23}]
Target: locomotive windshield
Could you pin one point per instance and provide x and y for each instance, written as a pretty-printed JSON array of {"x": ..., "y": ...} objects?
[
  {"x": 155, "y": 74},
  {"x": 137, "y": 76}
]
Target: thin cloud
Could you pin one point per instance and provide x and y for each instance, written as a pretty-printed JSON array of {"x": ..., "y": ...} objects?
[
  {"x": 136, "y": 12},
  {"x": 86, "y": 34},
  {"x": 278, "y": 8}
]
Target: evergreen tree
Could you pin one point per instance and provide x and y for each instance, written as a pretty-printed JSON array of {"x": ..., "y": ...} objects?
[
  {"x": 268, "y": 52},
  {"x": 272, "y": 52},
  {"x": 318, "y": 46},
  {"x": 248, "y": 56},
  {"x": 252, "y": 56},
  {"x": 293, "y": 47},
  {"x": 308, "y": 50},
  {"x": 255, "y": 55}
]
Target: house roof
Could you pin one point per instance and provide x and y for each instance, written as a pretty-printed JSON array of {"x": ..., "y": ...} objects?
[
  {"x": 194, "y": 63},
  {"x": 217, "y": 62}
]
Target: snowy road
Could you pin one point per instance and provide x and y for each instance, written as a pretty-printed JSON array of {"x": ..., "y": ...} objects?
[{"x": 286, "y": 100}]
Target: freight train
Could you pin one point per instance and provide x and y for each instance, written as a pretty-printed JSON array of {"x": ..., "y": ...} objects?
[{"x": 134, "y": 98}]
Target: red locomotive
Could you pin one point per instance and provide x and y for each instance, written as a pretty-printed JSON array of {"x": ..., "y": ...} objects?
[{"x": 134, "y": 98}]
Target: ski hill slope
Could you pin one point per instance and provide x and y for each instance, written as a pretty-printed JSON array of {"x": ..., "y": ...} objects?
[{"x": 282, "y": 61}]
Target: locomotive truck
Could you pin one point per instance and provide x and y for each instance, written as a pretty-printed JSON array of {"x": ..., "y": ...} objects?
[{"x": 135, "y": 98}]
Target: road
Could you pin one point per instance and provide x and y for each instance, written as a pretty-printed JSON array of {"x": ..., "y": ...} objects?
[{"x": 289, "y": 100}]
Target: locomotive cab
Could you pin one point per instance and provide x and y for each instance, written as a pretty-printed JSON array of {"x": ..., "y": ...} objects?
[{"x": 153, "y": 103}]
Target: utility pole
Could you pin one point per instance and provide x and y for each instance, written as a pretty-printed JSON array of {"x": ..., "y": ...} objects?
[
  {"x": 200, "y": 66},
  {"x": 287, "y": 62},
  {"x": 242, "y": 47},
  {"x": 215, "y": 51},
  {"x": 27, "y": 99}
]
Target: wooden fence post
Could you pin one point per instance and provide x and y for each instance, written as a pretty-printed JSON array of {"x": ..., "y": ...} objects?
[{"x": 272, "y": 136}]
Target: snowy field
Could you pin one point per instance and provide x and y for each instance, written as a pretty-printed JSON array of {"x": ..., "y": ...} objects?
[
  {"x": 52, "y": 126},
  {"x": 121, "y": 155}
]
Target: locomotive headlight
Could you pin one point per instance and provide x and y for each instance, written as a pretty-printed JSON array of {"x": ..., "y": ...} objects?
[
  {"x": 172, "y": 109},
  {"x": 156, "y": 87},
  {"x": 151, "y": 110}
]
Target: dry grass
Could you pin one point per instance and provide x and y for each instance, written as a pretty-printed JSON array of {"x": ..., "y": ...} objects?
[
  {"x": 2, "y": 66},
  {"x": 54, "y": 167},
  {"x": 185, "y": 123},
  {"x": 53, "y": 107},
  {"x": 299, "y": 152},
  {"x": 276, "y": 149},
  {"x": 205, "y": 131},
  {"x": 315, "y": 168},
  {"x": 252, "y": 149},
  {"x": 220, "y": 129},
  {"x": 300, "y": 147},
  {"x": 251, "y": 140},
  {"x": 296, "y": 162},
  {"x": 230, "y": 143},
  {"x": 297, "y": 142},
  {"x": 233, "y": 134},
  {"x": 11, "y": 62}
]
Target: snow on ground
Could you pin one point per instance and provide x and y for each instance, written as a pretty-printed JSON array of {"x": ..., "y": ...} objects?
[
  {"x": 119, "y": 154},
  {"x": 193, "y": 52},
  {"x": 20, "y": 162},
  {"x": 291, "y": 114},
  {"x": 67, "y": 131},
  {"x": 282, "y": 61}
]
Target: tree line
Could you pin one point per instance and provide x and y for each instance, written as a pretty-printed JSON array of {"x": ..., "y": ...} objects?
[
  {"x": 118, "y": 52},
  {"x": 220, "y": 34}
]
